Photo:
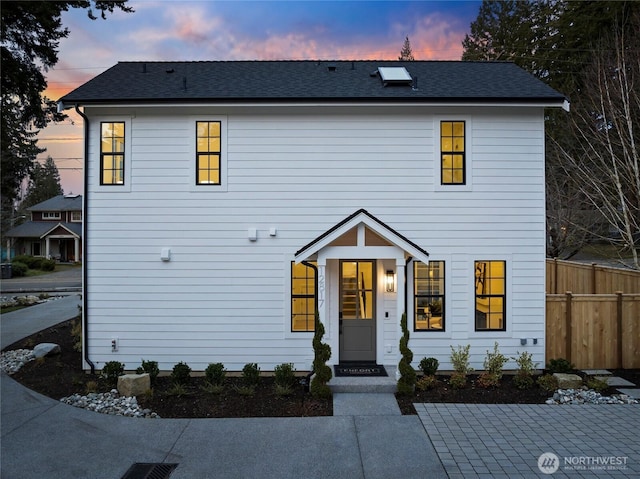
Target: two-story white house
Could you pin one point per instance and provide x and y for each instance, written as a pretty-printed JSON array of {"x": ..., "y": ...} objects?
[{"x": 226, "y": 202}]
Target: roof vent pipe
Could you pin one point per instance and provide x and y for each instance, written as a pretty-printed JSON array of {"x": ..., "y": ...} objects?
[
  {"x": 184, "y": 83},
  {"x": 144, "y": 68},
  {"x": 415, "y": 83}
]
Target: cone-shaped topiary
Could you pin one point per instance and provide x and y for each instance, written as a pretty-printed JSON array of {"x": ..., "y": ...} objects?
[
  {"x": 322, "y": 353},
  {"x": 407, "y": 381}
]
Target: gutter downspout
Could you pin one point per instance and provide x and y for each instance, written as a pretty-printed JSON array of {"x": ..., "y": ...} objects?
[
  {"x": 85, "y": 322},
  {"x": 306, "y": 382},
  {"x": 406, "y": 290}
]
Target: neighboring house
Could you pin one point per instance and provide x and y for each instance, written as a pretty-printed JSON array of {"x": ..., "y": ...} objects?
[
  {"x": 228, "y": 201},
  {"x": 54, "y": 230}
]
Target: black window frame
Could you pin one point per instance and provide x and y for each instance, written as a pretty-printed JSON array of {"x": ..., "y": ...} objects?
[
  {"x": 311, "y": 275},
  {"x": 482, "y": 280},
  {"x": 209, "y": 153},
  {"x": 453, "y": 152},
  {"x": 440, "y": 296},
  {"x": 113, "y": 154}
]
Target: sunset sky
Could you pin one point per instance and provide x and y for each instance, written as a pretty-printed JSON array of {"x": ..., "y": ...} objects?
[{"x": 242, "y": 30}]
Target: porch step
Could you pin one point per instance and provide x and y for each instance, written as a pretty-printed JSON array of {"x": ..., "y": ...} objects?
[{"x": 377, "y": 384}]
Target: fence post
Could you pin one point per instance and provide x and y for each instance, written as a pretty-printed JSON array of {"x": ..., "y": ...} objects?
[
  {"x": 619, "y": 323},
  {"x": 568, "y": 316},
  {"x": 594, "y": 288}
]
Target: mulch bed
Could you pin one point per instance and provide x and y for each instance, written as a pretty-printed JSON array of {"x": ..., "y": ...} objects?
[{"x": 62, "y": 375}]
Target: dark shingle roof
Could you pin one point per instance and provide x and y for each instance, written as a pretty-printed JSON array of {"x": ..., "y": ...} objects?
[
  {"x": 37, "y": 229},
  {"x": 291, "y": 81},
  {"x": 59, "y": 203}
]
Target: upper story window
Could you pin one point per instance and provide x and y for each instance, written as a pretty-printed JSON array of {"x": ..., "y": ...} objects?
[
  {"x": 452, "y": 152},
  {"x": 50, "y": 215},
  {"x": 76, "y": 216},
  {"x": 428, "y": 300},
  {"x": 112, "y": 153},
  {"x": 208, "y": 151},
  {"x": 303, "y": 297},
  {"x": 490, "y": 285}
]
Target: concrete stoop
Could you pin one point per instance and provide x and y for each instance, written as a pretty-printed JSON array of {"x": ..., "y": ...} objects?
[{"x": 375, "y": 384}]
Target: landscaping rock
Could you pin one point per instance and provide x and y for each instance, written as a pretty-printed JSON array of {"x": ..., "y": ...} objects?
[
  {"x": 568, "y": 381},
  {"x": 46, "y": 349},
  {"x": 134, "y": 384}
]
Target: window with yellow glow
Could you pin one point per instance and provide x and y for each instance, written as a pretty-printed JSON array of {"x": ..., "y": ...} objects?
[
  {"x": 112, "y": 153},
  {"x": 490, "y": 285},
  {"x": 208, "y": 152},
  {"x": 428, "y": 285},
  {"x": 303, "y": 297},
  {"x": 452, "y": 151}
]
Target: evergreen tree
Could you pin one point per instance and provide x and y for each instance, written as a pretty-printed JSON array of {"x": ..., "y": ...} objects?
[
  {"x": 44, "y": 183},
  {"x": 406, "y": 54}
]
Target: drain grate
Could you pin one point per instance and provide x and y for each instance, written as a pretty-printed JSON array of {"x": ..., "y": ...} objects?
[{"x": 143, "y": 470}]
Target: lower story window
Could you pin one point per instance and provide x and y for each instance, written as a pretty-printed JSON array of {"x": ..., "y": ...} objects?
[
  {"x": 303, "y": 297},
  {"x": 490, "y": 280},
  {"x": 429, "y": 296}
]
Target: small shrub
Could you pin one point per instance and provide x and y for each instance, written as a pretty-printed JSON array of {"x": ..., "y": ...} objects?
[
  {"x": 215, "y": 374},
  {"x": 177, "y": 389},
  {"x": 494, "y": 362},
  {"x": 426, "y": 382},
  {"x": 523, "y": 380},
  {"x": 429, "y": 366},
  {"x": 407, "y": 382},
  {"x": 251, "y": 375},
  {"x": 212, "y": 388},
  {"x": 36, "y": 263},
  {"x": 47, "y": 265},
  {"x": 488, "y": 380},
  {"x": 181, "y": 374},
  {"x": 283, "y": 390},
  {"x": 597, "y": 384},
  {"x": 29, "y": 261},
  {"x": 458, "y": 380},
  {"x": 460, "y": 359},
  {"x": 112, "y": 370},
  {"x": 76, "y": 333},
  {"x": 151, "y": 368},
  {"x": 285, "y": 375},
  {"x": 245, "y": 390},
  {"x": 559, "y": 365},
  {"x": 18, "y": 269},
  {"x": 321, "y": 354},
  {"x": 524, "y": 377},
  {"x": 525, "y": 362},
  {"x": 547, "y": 382},
  {"x": 91, "y": 387}
]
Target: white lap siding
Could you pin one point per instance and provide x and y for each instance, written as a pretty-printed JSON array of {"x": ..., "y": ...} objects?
[{"x": 223, "y": 298}]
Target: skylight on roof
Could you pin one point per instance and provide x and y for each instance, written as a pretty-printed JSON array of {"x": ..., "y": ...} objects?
[{"x": 395, "y": 75}]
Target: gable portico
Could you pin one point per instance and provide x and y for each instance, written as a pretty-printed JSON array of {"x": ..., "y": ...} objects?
[{"x": 361, "y": 265}]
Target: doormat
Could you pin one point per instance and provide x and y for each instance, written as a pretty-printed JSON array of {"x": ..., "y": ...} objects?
[{"x": 359, "y": 369}]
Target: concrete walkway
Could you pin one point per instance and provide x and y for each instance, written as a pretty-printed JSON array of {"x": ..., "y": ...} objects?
[
  {"x": 366, "y": 438},
  {"x": 24, "y": 322}
]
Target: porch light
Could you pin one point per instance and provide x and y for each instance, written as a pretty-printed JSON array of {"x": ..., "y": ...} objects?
[{"x": 390, "y": 282}]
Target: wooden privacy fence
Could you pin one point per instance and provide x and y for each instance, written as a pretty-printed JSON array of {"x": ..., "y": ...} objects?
[
  {"x": 594, "y": 331},
  {"x": 583, "y": 278},
  {"x": 595, "y": 322}
]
